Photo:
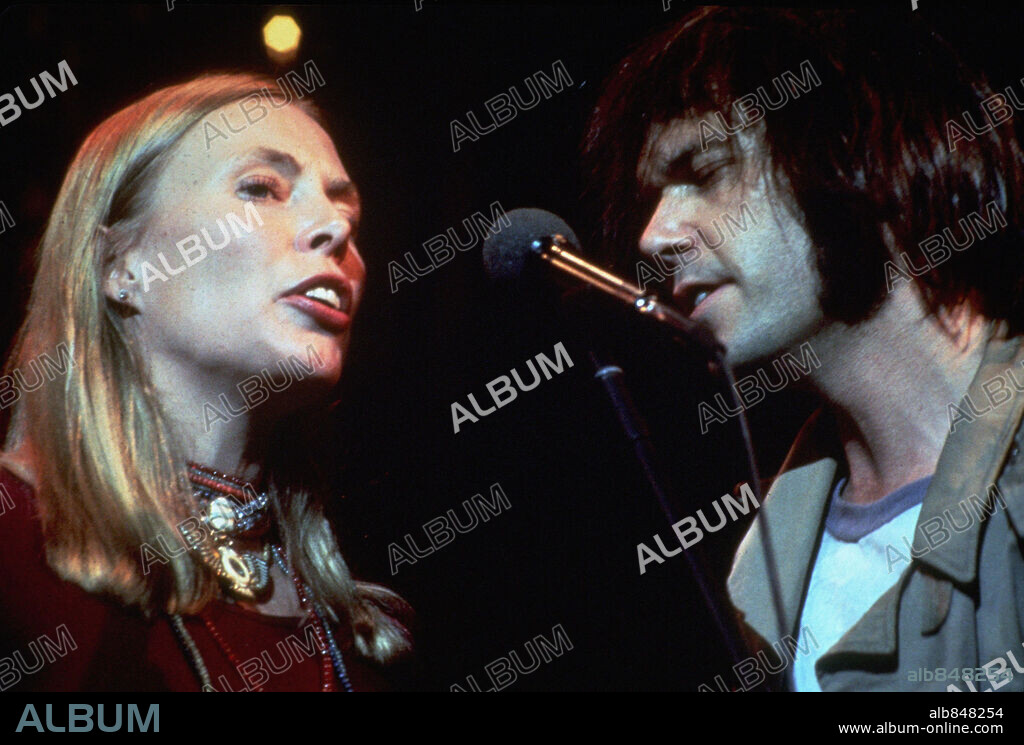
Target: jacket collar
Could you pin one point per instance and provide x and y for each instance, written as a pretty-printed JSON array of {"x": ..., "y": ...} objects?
[
  {"x": 970, "y": 463},
  {"x": 786, "y": 529},
  {"x": 785, "y": 534}
]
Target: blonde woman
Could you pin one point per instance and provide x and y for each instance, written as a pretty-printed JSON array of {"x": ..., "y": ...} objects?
[{"x": 162, "y": 526}]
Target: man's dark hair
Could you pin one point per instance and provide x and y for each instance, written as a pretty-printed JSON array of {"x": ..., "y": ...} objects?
[{"x": 866, "y": 149}]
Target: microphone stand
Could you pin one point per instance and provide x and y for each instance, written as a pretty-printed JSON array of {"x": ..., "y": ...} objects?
[
  {"x": 555, "y": 251},
  {"x": 612, "y": 379}
]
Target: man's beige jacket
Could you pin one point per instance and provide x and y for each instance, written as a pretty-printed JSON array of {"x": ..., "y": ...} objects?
[{"x": 959, "y": 600}]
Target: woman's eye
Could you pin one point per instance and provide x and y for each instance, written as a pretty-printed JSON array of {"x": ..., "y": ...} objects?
[{"x": 260, "y": 187}]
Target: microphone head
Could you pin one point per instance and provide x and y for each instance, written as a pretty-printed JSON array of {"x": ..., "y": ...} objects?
[{"x": 505, "y": 251}]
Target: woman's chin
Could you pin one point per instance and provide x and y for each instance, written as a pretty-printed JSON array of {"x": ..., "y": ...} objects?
[{"x": 308, "y": 355}]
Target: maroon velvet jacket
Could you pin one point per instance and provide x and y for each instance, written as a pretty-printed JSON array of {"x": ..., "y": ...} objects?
[{"x": 54, "y": 636}]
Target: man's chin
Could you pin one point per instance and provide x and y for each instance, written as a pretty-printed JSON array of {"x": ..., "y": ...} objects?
[{"x": 745, "y": 357}]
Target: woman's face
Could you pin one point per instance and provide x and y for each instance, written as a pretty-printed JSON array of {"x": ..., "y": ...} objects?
[{"x": 247, "y": 264}]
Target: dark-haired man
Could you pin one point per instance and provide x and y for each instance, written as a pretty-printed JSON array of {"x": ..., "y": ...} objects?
[{"x": 895, "y": 524}]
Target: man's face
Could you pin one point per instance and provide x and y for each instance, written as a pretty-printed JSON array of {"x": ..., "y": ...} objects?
[{"x": 756, "y": 287}]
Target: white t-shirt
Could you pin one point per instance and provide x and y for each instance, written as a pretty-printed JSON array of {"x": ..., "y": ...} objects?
[{"x": 853, "y": 569}]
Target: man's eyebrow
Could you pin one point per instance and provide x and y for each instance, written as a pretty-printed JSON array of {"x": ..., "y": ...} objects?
[{"x": 682, "y": 162}]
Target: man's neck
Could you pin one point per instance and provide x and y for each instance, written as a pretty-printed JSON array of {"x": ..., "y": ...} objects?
[{"x": 889, "y": 382}]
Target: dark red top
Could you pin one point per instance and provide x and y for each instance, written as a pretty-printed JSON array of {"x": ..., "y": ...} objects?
[{"x": 54, "y": 636}]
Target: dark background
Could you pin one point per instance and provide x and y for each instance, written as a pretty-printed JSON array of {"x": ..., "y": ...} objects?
[{"x": 395, "y": 78}]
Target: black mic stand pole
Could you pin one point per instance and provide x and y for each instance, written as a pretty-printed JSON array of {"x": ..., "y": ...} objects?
[{"x": 612, "y": 380}]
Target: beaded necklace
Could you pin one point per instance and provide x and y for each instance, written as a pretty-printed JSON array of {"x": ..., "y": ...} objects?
[
  {"x": 330, "y": 653},
  {"x": 224, "y": 647},
  {"x": 331, "y": 661},
  {"x": 231, "y": 508}
]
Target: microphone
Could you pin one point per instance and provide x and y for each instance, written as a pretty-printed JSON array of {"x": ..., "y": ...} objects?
[{"x": 536, "y": 235}]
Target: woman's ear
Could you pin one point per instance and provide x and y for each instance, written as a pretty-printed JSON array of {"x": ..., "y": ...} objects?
[{"x": 120, "y": 284}]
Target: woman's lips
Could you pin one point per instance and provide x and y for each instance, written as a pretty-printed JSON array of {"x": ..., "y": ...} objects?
[{"x": 333, "y": 320}]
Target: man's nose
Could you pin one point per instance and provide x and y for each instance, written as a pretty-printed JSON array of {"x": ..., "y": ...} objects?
[{"x": 671, "y": 230}]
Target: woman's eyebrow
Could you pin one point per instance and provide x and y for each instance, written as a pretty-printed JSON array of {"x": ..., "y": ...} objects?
[
  {"x": 338, "y": 189},
  {"x": 280, "y": 161},
  {"x": 341, "y": 190}
]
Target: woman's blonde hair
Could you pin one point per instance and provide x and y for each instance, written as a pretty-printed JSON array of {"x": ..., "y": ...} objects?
[{"x": 109, "y": 476}]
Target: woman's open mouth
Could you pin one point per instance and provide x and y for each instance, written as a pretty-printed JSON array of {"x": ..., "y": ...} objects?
[{"x": 324, "y": 297}]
